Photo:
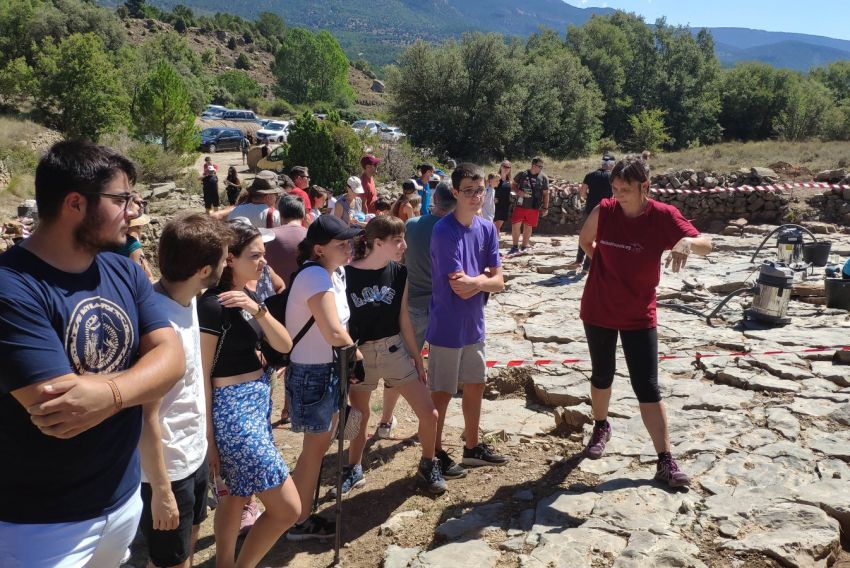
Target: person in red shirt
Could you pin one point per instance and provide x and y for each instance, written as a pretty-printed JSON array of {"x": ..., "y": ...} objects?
[
  {"x": 369, "y": 163},
  {"x": 625, "y": 236},
  {"x": 301, "y": 178}
]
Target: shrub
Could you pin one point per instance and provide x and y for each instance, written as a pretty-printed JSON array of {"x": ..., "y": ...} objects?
[
  {"x": 606, "y": 144},
  {"x": 275, "y": 107},
  {"x": 157, "y": 165},
  {"x": 329, "y": 148},
  {"x": 648, "y": 130},
  {"x": 242, "y": 62}
]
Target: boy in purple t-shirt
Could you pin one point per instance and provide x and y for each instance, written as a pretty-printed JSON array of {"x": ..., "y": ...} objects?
[{"x": 465, "y": 266}]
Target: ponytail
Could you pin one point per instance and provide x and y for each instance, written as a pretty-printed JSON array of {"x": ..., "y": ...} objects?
[{"x": 381, "y": 227}]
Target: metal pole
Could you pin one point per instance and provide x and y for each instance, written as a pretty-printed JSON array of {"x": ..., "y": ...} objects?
[{"x": 344, "y": 356}]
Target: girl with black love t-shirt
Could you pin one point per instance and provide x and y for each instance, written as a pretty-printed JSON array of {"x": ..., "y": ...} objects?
[{"x": 376, "y": 286}]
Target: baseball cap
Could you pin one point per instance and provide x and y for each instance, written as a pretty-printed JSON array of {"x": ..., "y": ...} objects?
[
  {"x": 411, "y": 184},
  {"x": 330, "y": 227},
  {"x": 609, "y": 158},
  {"x": 265, "y": 183},
  {"x": 355, "y": 185},
  {"x": 369, "y": 160}
]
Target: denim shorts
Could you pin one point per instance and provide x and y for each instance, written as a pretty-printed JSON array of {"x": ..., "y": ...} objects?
[{"x": 312, "y": 392}]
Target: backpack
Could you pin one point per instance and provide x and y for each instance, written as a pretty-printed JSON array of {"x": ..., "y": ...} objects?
[{"x": 277, "y": 308}]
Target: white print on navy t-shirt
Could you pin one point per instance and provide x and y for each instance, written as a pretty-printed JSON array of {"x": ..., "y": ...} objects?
[
  {"x": 373, "y": 295},
  {"x": 634, "y": 247},
  {"x": 99, "y": 337}
]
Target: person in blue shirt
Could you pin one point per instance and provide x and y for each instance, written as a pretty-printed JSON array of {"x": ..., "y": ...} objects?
[
  {"x": 424, "y": 179},
  {"x": 83, "y": 344}
]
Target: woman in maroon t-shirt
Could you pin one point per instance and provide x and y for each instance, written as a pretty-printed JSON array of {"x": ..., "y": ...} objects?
[{"x": 625, "y": 237}]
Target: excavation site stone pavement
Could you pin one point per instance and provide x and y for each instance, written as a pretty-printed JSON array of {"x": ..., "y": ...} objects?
[{"x": 765, "y": 437}]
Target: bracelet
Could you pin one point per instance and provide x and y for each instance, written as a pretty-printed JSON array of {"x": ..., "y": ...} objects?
[{"x": 116, "y": 395}]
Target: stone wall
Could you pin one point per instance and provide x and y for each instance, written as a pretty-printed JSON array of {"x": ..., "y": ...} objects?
[
  {"x": 708, "y": 211},
  {"x": 833, "y": 205}
]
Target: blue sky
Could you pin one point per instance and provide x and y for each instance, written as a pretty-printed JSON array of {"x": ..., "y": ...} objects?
[{"x": 822, "y": 17}]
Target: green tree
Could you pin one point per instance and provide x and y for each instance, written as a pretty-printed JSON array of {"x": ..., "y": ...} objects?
[
  {"x": 312, "y": 67},
  {"x": 242, "y": 62},
  {"x": 690, "y": 95},
  {"x": 648, "y": 130},
  {"x": 79, "y": 88},
  {"x": 236, "y": 88},
  {"x": 562, "y": 110},
  {"x": 163, "y": 110},
  {"x": 181, "y": 12},
  {"x": 174, "y": 48},
  {"x": 17, "y": 83},
  {"x": 329, "y": 148},
  {"x": 330, "y": 83},
  {"x": 271, "y": 25},
  {"x": 621, "y": 52},
  {"x": 808, "y": 104},
  {"x": 26, "y": 24},
  {"x": 460, "y": 98},
  {"x": 753, "y": 95},
  {"x": 836, "y": 76},
  {"x": 135, "y": 8}
]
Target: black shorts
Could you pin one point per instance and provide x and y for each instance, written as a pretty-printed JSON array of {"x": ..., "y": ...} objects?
[
  {"x": 169, "y": 548},
  {"x": 211, "y": 196},
  {"x": 502, "y": 212}
]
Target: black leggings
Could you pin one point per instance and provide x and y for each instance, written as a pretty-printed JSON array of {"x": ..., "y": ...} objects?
[{"x": 641, "y": 350}]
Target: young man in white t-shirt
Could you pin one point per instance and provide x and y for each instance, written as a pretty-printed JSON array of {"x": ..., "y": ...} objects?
[{"x": 192, "y": 253}]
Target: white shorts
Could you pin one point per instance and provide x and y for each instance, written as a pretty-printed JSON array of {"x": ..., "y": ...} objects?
[{"x": 95, "y": 543}]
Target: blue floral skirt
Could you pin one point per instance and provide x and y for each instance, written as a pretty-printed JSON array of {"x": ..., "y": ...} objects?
[{"x": 250, "y": 462}]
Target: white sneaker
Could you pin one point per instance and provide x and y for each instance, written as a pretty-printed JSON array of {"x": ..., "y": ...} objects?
[{"x": 385, "y": 429}]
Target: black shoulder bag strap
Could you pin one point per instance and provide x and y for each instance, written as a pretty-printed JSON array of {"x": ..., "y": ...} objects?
[
  {"x": 300, "y": 335},
  {"x": 225, "y": 325}
]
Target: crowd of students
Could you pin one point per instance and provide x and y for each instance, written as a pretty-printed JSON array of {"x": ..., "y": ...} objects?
[{"x": 121, "y": 400}]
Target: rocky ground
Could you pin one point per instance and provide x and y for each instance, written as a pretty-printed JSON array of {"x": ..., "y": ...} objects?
[{"x": 765, "y": 438}]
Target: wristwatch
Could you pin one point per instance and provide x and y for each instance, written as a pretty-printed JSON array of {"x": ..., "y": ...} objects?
[{"x": 261, "y": 310}]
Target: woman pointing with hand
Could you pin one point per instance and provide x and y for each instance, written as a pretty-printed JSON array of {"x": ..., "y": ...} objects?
[{"x": 626, "y": 237}]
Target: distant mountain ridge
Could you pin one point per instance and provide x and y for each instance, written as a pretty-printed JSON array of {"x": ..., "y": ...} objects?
[{"x": 377, "y": 30}]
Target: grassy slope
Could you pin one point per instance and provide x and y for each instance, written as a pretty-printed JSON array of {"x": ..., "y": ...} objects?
[{"x": 726, "y": 157}]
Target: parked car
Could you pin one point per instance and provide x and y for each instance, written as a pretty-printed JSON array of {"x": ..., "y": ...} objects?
[
  {"x": 392, "y": 134},
  {"x": 240, "y": 114},
  {"x": 273, "y": 162},
  {"x": 368, "y": 126},
  {"x": 214, "y": 111},
  {"x": 215, "y": 139},
  {"x": 274, "y": 131}
]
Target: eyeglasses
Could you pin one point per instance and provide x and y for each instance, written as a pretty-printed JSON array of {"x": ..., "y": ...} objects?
[
  {"x": 125, "y": 198},
  {"x": 472, "y": 192}
]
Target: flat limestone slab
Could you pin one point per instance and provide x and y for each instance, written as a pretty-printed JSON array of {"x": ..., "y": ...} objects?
[{"x": 511, "y": 415}]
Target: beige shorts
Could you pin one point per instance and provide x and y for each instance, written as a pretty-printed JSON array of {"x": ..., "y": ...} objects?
[
  {"x": 386, "y": 359},
  {"x": 448, "y": 367}
]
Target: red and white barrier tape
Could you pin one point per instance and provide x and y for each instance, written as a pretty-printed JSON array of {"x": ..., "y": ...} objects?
[
  {"x": 740, "y": 189},
  {"x": 695, "y": 356}
]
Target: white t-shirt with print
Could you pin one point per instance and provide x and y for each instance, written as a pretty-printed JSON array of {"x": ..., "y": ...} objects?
[
  {"x": 257, "y": 213},
  {"x": 313, "y": 349},
  {"x": 182, "y": 414}
]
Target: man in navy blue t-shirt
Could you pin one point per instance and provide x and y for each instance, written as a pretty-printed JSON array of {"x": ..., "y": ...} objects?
[{"x": 83, "y": 345}]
